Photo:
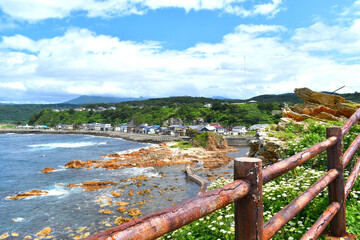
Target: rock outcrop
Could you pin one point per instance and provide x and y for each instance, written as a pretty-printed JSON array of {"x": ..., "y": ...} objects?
[
  {"x": 44, "y": 232},
  {"x": 93, "y": 185},
  {"x": 48, "y": 170},
  {"x": 32, "y": 193},
  {"x": 266, "y": 148},
  {"x": 320, "y": 106},
  {"x": 75, "y": 164},
  {"x": 172, "y": 121},
  {"x": 216, "y": 142}
]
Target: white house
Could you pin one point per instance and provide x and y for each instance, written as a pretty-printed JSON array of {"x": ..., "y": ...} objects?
[
  {"x": 121, "y": 128},
  {"x": 219, "y": 130},
  {"x": 238, "y": 130}
]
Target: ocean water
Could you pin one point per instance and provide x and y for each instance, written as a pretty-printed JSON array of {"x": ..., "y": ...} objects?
[{"x": 69, "y": 211}]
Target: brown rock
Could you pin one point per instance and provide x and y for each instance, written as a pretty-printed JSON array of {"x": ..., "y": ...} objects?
[
  {"x": 32, "y": 193},
  {"x": 48, "y": 170},
  {"x": 317, "y": 97},
  {"x": 115, "y": 194},
  {"x": 134, "y": 212},
  {"x": 121, "y": 209},
  {"x": 93, "y": 185},
  {"x": 105, "y": 211},
  {"x": 320, "y": 107},
  {"x": 44, "y": 232},
  {"x": 5, "y": 235},
  {"x": 121, "y": 220},
  {"x": 75, "y": 164}
]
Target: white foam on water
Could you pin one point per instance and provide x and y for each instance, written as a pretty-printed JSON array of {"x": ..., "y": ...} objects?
[
  {"x": 60, "y": 168},
  {"x": 18, "y": 219},
  {"x": 136, "y": 149},
  {"x": 138, "y": 171},
  {"x": 48, "y": 146},
  {"x": 56, "y": 192}
]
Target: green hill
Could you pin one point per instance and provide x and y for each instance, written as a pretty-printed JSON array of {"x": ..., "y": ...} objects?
[{"x": 16, "y": 113}]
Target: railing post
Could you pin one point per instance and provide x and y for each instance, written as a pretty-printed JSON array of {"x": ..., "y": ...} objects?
[
  {"x": 249, "y": 210},
  {"x": 337, "y": 187}
]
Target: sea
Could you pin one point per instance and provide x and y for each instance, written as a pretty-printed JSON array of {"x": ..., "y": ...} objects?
[{"x": 74, "y": 213}]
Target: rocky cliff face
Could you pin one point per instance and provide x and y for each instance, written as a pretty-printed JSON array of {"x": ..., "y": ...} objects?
[
  {"x": 320, "y": 106},
  {"x": 173, "y": 121},
  {"x": 266, "y": 148}
]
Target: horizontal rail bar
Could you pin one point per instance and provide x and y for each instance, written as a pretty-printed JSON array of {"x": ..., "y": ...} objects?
[
  {"x": 174, "y": 217},
  {"x": 351, "y": 150},
  {"x": 320, "y": 225},
  {"x": 292, "y": 209},
  {"x": 277, "y": 169},
  {"x": 352, "y": 178},
  {"x": 350, "y": 122}
]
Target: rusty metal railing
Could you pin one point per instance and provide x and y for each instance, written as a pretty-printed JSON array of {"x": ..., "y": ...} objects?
[{"x": 246, "y": 192}]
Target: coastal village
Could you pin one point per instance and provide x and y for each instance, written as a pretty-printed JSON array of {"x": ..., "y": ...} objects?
[
  {"x": 171, "y": 130},
  {"x": 172, "y": 127}
]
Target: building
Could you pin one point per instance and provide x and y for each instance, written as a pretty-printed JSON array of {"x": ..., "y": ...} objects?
[
  {"x": 220, "y": 130},
  {"x": 121, "y": 128},
  {"x": 237, "y": 130}
]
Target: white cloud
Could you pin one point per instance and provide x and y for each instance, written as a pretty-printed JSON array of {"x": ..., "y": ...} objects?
[
  {"x": 322, "y": 37},
  {"x": 35, "y": 10},
  {"x": 13, "y": 85},
  {"x": 82, "y": 62}
]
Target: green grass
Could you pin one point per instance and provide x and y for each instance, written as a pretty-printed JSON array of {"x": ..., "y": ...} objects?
[{"x": 182, "y": 145}]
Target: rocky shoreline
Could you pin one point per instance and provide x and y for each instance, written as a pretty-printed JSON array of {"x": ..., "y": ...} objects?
[{"x": 136, "y": 137}]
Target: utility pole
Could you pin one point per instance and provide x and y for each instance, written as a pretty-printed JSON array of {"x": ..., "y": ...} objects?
[{"x": 245, "y": 76}]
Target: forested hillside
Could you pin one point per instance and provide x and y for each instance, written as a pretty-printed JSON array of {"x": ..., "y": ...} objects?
[
  {"x": 22, "y": 112},
  {"x": 17, "y": 113},
  {"x": 226, "y": 114}
]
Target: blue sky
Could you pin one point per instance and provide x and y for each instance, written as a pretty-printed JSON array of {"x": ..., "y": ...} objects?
[{"x": 53, "y": 51}]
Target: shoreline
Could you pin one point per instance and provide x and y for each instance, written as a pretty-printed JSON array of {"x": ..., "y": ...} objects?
[
  {"x": 136, "y": 137},
  {"x": 241, "y": 141},
  {"x": 142, "y": 194}
]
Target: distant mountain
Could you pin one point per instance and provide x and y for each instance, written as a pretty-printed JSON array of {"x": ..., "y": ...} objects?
[
  {"x": 82, "y": 100},
  {"x": 219, "y": 97}
]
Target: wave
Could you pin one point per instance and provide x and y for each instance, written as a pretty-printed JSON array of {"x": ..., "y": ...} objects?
[
  {"x": 48, "y": 146},
  {"x": 138, "y": 171}
]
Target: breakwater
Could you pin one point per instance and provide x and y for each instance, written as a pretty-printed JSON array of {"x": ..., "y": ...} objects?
[
  {"x": 239, "y": 141},
  {"x": 126, "y": 136}
]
